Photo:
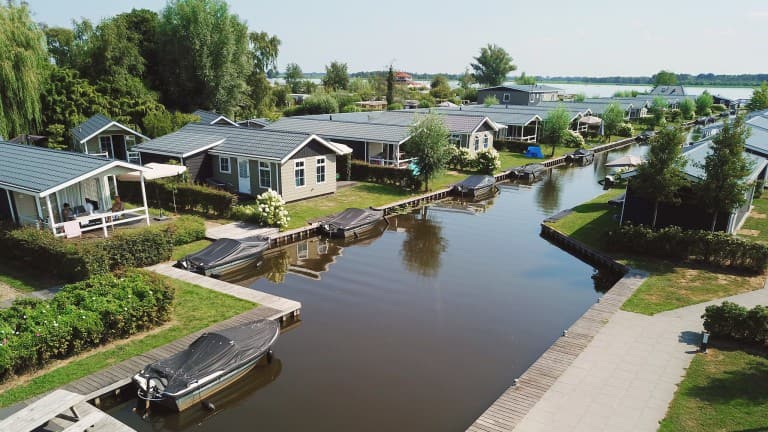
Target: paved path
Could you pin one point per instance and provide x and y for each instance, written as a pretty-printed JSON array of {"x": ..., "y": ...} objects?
[
  {"x": 626, "y": 377},
  {"x": 238, "y": 230}
]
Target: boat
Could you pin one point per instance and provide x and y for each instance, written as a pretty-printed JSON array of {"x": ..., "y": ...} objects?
[
  {"x": 225, "y": 254},
  {"x": 581, "y": 157},
  {"x": 476, "y": 186},
  {"x": 529, "y": 172},
  {"x": 351, "y": 222},
  {"x": 210, "y": 363}
]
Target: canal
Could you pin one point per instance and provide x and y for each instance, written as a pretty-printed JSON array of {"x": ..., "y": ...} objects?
[{"x": 419, "y": 328}]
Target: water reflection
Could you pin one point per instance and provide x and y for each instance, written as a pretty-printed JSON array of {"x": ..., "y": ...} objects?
[
  {"x": 423, "y": 245},
  {"x": 548, "y": 193}
]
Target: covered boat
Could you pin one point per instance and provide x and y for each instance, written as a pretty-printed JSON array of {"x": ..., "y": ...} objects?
[
  {"x": 476, "y": 186},
  {"x": 225, "y": 254},
  {"x": 581, "y": 157},
  {"x": 210, "y": 363},
  {"x": 352, "y": 222},
  {"x": 530, "y": 171}
]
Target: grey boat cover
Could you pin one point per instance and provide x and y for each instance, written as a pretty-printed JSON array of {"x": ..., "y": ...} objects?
[
  {"x": 225, "y": 251},
  {"x": 475, "y": 182},
  {"x": 352, "y": 218},
  {"x": 223, "y": 350},
  {"x": 583, "y": 152},
  {"x": 532, "y": 168}
]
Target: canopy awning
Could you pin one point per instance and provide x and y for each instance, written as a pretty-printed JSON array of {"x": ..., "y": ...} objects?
[
  {"x": 625, "y": 161},
  {"x": 154, "y": 171}
]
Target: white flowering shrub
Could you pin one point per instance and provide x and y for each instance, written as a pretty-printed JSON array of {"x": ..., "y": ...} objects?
[
  {"x": 487, "y": 161},
  {"x": 269, "y": 209}
]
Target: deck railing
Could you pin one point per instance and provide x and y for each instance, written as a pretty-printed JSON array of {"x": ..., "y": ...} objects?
[
  {"x": 399, "y": 163},
  {"x": 105, "y": 220}
]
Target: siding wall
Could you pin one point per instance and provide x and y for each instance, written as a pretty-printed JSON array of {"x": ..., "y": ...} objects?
[
  {"x": 291, "y": 193},
  {"x": 5, "y": 208},
  {"x": 93, "y": 143},
  {"x": 199, "y": 166},
  {"x": 516, "y": 97},
  {"x": 224, "y": 177}
]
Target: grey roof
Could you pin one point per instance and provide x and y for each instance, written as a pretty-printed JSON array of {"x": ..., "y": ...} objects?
[
  {"x": 259, "y": 143},
  {"x": 540, "y": 110},
  {"x": 668, "y": 90},
  {"x": 535, "y": 88},
  {"x": 759, "y": 121},
  {"x": 696, "y": 156},
  {"x": 209, "y": 117},
  {"x": 757, "y": 141},
  {"x": 90, "y": 126},
  {"x": 190, "y": 139},
  {"x": 262, "y": 122},
  {"x": 597, "y": 108},
  {"x": 503, "y": 117},
  {"x": 332, "y": 129},
  {"x": 38, "y": 169},
  {"x": 455, "y": 124}
]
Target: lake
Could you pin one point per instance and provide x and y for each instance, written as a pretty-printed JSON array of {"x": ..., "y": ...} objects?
[{"x": 419, "y": 327}]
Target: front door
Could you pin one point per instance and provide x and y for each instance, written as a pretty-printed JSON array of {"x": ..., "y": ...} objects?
[{"x": 244, "y": 177}]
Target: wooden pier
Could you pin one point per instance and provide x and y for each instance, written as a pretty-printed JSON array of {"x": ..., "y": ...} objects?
[{"x": 414, "y": 202}]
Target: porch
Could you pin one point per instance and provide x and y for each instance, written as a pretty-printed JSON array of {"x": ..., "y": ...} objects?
[
  {"x": 528, "y": 132},
  {"x": 388, "y": 155}
]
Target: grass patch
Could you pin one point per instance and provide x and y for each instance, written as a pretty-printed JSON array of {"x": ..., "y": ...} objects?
[
  {"x": 510, "y": 159},
  {"x": 188, "y": 317},
  {"x": 755, "y": 228},
  {"x": 180, "y": 252},
  {"x": 723, "y": 390},
  {"x": 588, "y": 222},
  {"x": 14, "y": 275}
]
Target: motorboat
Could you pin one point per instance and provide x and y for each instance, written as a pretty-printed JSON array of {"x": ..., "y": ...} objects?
[
  {"x": 212, "y": 362},
  {"x": 476, "y": 186},
  {"x": 528, "y": 172},
  {"x": 225, "y": 254},
  {"x": 351, "y": 222},
  {"x": 580, "y": 157}
]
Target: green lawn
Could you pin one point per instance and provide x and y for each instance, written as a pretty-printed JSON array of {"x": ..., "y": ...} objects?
[
  {"x": 723, "y": 390},
  {"x": 669, "y": 285},
  {"x": 756, "y": 225},
  {"x": 511, "y": 159},
  {"x": 180, "y": 252},
  {"x": 14, "y": 275},
  {"x": 188, "y": 317}
]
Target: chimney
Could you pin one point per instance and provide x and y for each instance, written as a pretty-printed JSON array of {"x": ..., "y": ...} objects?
[{"x": 330, "y": 117}]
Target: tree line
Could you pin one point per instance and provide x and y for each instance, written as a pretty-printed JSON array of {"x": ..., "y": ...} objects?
[{"x": 704, "y": 79}]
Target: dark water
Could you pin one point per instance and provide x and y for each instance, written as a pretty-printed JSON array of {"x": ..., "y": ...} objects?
[{"x": 420, "y": 327}]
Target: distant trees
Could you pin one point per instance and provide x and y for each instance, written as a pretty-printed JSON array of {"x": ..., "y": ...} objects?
[
  {"x": 726, "y": 167},
  {"x": 23, "y": 61},
  {"x": 429, "y": 145},
  {"x": 363, "y": 88},
  {"x": 440, "y": 89},
  {"x": 663, "y": 78},
  {"x": 320, "y": 103},
  {"x": 161, "y": 122},
  {"x": 704, "y": 103},
  {"x": 555, "y": 127},
  {"x": 293, "y": 77},
  {"x": 613, "y": 117},
  {"x": 523, "y": 79},
  {"x": 336, "y": 76},
  {"x": 492, "y": 65},
  {"x": 579, "y": 97},
  {"x": 687, "y": 108},
  {"x": 662, "y": 176},
  {"x": 657, "y": 110},
  {"x": 759, "y": 100},
  {"x": 490, "y": 100}
]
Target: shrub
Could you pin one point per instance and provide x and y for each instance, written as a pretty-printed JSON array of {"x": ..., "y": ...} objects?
[
  {"x": 625, "y": 130},
  {"x": 137, "y": 248},
  {"x": 733, "y": 321},
  {"x": 186, "y": 229},
  {"x": 381, "y": 174},
  {"x": 673, "y": 115},
  {"x": 718, "y": 108},
  {"x": 351, "y": 108},
  {"x": 573, "y": 139},
  {"x": 487, "y": 161},
  {"x": 188, "y": 197},
  {"x": 269, "y": 209},
  {"x": 460, "y": 158},
  {"x": 81, "y": 316},
  {"x": 395, "y": 106}
]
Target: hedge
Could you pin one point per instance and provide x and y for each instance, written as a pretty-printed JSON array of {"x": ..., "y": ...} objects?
[
  {"x": 385, "y": 175},
  {"x": 81, "y": 316},
  {"x": 733, "y": 321},
  {"x": 712, "y": 248},
  {"x": 189, "y": 197},
  {"x": 75, "y": 261}
]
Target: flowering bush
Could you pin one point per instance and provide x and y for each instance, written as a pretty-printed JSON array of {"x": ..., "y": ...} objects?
[
  {"x": 573, "y": 139},
  {"x": 269, "y": 209},
  {"x": 460, "y": 158},
  {"x": 487, "y": 161}
]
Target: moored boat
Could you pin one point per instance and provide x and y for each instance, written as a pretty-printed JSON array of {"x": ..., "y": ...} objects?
[
  {"x": 581, "y": 157},
  {"x": 529, "y": 172},
  {"x": 351, "y": 222},
  {"x": 210, "y": 363},
  {"x": 476, "y": 186},
  {"x": 225, "y": 255}
]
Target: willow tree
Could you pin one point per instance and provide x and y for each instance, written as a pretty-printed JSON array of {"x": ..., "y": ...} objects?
[
  {"x": 429, "y": 145},
  {"x": 22, "y": 70}
]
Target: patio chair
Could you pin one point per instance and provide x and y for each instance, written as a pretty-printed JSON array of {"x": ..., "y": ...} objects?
[{"x": 72, "y": 229}]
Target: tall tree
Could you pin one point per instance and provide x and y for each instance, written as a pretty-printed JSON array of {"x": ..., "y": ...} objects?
[
  {"x": 440, "y": 89},
  {"x": 759, "y": 100},
  {"x": 466, "y": 79},
  {"x": 423, "y": 245},
  {"x": 657, "y": 110},
  {"x": 687, "y": 108},
  {"x": 429, "y": 145},
  {"x": 663, "y": 78},
  {"x": 142, "y": 26},
  {"x": 265, "y": 49},
  {"x": 704, "y": 103},
  {"x": 112, "y": 51},
  {"x": 23, "y": 60},
  {"x": 662, "y": 176},
  {"x": 61, "y": 42},
  {"x": 613, "y": 117},
  {"x": 555, "y": 127},
  {"x": 390, "y": 86},
  {"x": 524, "y": 79},
  {"x": 293, "y": 76},
  {"x": 336, "y": 76},
  {"x": 204, "y": 55},
  {"x": 492, "y": 65},
  {"x": 726, "y": 168}
]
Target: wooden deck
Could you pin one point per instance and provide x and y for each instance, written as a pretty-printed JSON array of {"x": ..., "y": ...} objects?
[{"x": 238, "y": 230}]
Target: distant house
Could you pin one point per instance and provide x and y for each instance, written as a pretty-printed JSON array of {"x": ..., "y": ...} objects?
[
  {"x": 255, "y": 123},
  {"x": 689, "y": 214},
  {"x": 372, "y": 105},
  {"x": 212, "y": 118},
  {"x": 730, "y": 103},
  {"x": 403, "y": 77},
  {"x": 668, "y": 90},
  {"x": 38, "y": 140},
  {"x": 36, "y": 182},
  {"x": 102, "y": 136},
  {"x": 514, "y": 94}
]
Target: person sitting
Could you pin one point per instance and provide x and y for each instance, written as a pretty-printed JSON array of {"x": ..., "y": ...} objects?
[
  {"x": 118, "y": 205},
  {"x": 66, "y": 213}
]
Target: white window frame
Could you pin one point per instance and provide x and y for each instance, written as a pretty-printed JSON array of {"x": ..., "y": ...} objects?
[
  {"x": 296, "y": 169},
  {"x": 320, "y": 164},
  {"x": 302, "y": 250},
  {"x": 485, "y": 141},
  {"x": 229, "y": 165},
  {"x": 264, "y": 166},
  {"x": 128, "y": 145},
  {"x": 505, "y": 98},
  {"x": 532, "y": 98},
  {"x": 101, "y": 144},
  {"x": 477, "y": 143}
]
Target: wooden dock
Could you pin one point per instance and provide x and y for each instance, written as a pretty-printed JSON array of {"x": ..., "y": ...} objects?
[
  {"x": 513, "y": 405},
  {"x": 238, "y": 230},
  {"x": 414, "y": 202}
]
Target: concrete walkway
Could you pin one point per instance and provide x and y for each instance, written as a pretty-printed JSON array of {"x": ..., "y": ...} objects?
[
  {"x": 627, "y": 376},
  {"x": 238, "y": 230}
]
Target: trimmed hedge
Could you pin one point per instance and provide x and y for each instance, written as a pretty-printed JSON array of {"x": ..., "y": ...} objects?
[
  {"x": 385, "y": 175},
  {"x": 75, "y": 261},
  {"x": 712, "y": 248},
  {"x": 81, "y": 316},
  {"x": 189, "y": 197},
  {"x": 733, "y": 321}
]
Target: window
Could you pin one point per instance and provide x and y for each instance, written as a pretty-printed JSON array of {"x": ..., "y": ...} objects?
[
  {"x": 505, "y": 98},
  {"x": 130, "y": 141},
  {"x": 477, "y": 143},
  {"x": 485, "y": 141},
  {"x": 224, "y": 165},
  {"x": 265, "y": 175},
  {"x": 302, "y": 250},
  {"x": 532, "y": 98},
  {"x": 320, "y": 169},
  {"x": 105, "y": 144},
  {"x": 298, "y": 172}
]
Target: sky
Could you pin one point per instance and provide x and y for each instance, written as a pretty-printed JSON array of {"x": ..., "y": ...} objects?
[{"x": 544, "y": 37}]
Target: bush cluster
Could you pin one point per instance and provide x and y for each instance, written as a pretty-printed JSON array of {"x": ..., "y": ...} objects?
[
  {"x": 733, "y": 321},
  {"x": 189, "y": 197},
  {"x": 269, "y": 209},
  {"x": 625, "y": 130},
  {"x": 572, "y": 139},
  {"x": 381, "y": 174},
  {"x": 712, "y": 248},
  {"x": 487, "y": 161},
  {"x": 75, "y": 261},
  {"x": 459, "y": 158},
  {"x": 82, "y": 315}
]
